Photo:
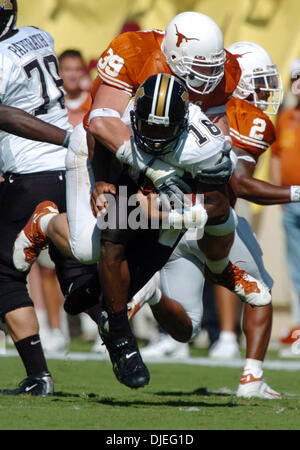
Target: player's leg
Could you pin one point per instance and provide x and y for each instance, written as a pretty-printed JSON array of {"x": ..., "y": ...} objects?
[
  {"x": 257, "y": 320},
  {"x": 216, "y": 244},
  {"x": 75, "y": 234},
  {"x": 16, "y": 307},
  {"x": 177, "y": 304}
]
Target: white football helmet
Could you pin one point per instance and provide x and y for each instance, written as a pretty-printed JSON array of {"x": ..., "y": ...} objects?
[
  {"x": 193, "y": 46},
  {"x": 260, "y": 82}
]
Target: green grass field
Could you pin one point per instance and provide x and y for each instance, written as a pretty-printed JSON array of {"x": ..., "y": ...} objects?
[{"x": 179, "y": 397}]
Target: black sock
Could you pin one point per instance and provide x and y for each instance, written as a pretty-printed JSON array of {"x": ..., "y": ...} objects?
[
  {"x": 94, "y": 312},
  {"x": 118, "y": 324},
  {"x": 32, "y": 355}
]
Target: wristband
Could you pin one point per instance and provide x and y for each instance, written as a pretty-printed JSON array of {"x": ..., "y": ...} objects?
[
  {"x": 66, "y": 140},
  {"x": 295, "y": 193}
]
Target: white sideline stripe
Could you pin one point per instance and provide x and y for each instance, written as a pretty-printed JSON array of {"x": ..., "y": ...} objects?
[{"x": 289, "y": 366}]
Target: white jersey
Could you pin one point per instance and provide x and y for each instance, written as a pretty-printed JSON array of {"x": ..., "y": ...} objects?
[
  {"x": 198, "y": 149},
  {"x": 29, "y": 80}
]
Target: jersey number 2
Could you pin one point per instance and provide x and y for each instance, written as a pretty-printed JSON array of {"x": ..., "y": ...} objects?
[{"x": 259, "y": 126}]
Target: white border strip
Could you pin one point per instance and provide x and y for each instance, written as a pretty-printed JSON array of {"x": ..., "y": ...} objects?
[{"x": 287, "y": 365}]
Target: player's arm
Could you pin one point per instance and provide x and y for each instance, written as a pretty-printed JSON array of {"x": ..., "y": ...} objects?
[
  {"x": 219, "y": 119},
  {"x": 18, "y": 122},
  {"x": 105, "y": 122},
  {"x": 245, "y": 186}
]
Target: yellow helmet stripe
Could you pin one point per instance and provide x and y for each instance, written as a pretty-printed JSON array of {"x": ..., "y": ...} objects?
[{"x": 162, "y": 95}]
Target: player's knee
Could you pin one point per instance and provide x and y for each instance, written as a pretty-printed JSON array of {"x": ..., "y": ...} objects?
[
  {"x": 84, "y": 252},
  {"x": 77, "y": 146},
  {"x": 225, "y": 228}
]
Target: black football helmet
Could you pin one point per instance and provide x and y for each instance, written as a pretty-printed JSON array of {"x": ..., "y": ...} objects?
[
  {"x": 160, "y": 114},
  {"x": 8, "y": 17}
]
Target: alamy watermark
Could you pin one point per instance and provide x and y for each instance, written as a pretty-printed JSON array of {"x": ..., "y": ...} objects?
[{"x": 150, "y": 212}]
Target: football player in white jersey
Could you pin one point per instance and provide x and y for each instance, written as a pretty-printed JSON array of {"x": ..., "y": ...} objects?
[
  {"x": 260, "y": 78},
  {"x": 32, "y": 171},
  {"x": 194, "y": 147}
]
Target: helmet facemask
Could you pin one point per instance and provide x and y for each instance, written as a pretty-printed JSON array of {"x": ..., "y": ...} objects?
[
  {"x": 201, "y": 75},
  {"x": 264, "y": 89},
  {"x": 154, "y": 136}
]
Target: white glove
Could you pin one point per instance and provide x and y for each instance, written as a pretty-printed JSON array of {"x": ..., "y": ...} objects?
[
  {"x": 192, "y": 217},
  {"x": 158, "y": 171},
  {"x": 161, "y": 172},
  {"x": 129, "y": 154}
]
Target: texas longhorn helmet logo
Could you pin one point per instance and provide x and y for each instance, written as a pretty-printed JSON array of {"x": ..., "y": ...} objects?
[
  {"x": 6, "y": 4},
  {"x": 181, "y": 37}
]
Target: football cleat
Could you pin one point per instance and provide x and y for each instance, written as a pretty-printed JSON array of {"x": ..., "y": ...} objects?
[
  {"x": 247, "y": 288},
  {"x": 143, "y": 296},
  {"x": 40, "y": 384},
  {"x": 255, "y": 387},
  {"x": 125, "y": 356},
  {"x": 291, "y": 336},
  {"x": 31, "y": 240}
]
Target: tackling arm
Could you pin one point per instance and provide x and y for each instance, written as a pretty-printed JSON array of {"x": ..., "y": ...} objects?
[
  {"x": 18, "y": 122},
  {"x": 220, "y": 120},
  {"x": 245, "y": 186}
]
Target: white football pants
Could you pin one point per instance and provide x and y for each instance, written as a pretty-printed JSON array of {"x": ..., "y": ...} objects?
[
  {"x": 84, "y": 233},
  {"x": 182, "y": 277}
]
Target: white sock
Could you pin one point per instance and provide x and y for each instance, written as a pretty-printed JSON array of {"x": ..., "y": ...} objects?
[
  {"x": 44, "y": 221},
  {"x": 156, "y": 297},
  {"x": 254, "y": 366},
  {"x": 217, "y": 266},
  {"x": 228, "y": 336}
]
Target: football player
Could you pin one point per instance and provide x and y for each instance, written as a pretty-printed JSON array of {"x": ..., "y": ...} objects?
[
  {"x": 192, "y": 49},
  {"x": 259, "y": 91},
  {"x": 176, "y": 133},
  {"x": 32, "y": 172}
]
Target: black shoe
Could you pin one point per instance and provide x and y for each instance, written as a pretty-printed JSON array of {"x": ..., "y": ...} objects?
[
  {"x": 125, "y": 356},
  {"x": 40, "y": 384}
]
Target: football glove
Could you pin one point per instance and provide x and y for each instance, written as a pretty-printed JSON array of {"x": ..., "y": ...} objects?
[
  {"x": 222, "y": 171},
  {"x": 172, "y": 194}
]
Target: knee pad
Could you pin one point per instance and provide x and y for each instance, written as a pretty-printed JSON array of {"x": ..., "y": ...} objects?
[
  {"x": 78, "y": 142},
  {"x": 84, "y": 293},
  {"x": 224, "y": 228}
]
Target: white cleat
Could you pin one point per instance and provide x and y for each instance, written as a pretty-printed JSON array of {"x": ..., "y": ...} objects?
[
  {"x": 252, "y": 387},
  {"x": 149, "y": 292},
  {"x": 247, "y": 288},
  {"x": 165, "y": 346},
  {"x": 31, "y": 239}
]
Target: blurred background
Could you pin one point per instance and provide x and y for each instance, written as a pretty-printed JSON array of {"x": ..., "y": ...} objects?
[{"x": 90, "y": 25}]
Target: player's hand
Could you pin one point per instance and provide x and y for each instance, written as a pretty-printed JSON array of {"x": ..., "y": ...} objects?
[
  {"x": 173, "y": 194},
  {"x": 98, "y": 200}
]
